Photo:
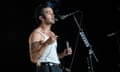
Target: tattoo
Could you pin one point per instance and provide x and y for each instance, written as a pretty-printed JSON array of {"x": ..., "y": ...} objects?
[{"x": 36, "y": 45}]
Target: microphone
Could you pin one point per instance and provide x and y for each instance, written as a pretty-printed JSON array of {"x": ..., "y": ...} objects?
[
  {"x": 62, "y": 17},
  {"x": 67, "y": 45}
]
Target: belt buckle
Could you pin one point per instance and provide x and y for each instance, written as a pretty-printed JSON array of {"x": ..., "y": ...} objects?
[
  {"x": 51, "y": 64},
  {"x": 39, "y": 64}
]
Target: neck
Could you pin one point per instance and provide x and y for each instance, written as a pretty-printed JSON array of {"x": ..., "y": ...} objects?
[{"x": 45, "y": 27}]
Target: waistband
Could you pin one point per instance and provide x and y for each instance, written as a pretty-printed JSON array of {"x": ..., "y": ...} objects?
[{"x": 48, "y": 64}]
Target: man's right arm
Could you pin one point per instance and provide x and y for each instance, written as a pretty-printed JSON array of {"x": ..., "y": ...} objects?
[{"x": 37, "y": 46}]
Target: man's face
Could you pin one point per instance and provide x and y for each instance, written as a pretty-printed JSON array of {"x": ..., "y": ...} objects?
[{"x": 49, "y": 15}]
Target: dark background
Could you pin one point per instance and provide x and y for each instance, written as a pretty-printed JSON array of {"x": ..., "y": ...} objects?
[{"x": 100, "y": 19}]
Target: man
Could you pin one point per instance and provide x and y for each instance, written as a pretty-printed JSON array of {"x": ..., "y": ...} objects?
[{"x": 43, "y": 42}]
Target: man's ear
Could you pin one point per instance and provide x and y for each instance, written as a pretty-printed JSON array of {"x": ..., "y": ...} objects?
[{"x": 40, "y": 17}]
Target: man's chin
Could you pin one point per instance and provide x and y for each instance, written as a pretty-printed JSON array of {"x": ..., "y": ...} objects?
[{"x": 53, "y": 22}]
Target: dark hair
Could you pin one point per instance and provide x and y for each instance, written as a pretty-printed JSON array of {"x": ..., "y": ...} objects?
[{"x": 39, "y": 11}]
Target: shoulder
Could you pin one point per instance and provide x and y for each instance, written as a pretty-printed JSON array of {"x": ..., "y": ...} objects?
[{"x": 35, "y": 36}]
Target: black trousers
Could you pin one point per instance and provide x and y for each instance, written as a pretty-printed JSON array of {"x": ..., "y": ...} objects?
[{"x": 48, "y": 68}]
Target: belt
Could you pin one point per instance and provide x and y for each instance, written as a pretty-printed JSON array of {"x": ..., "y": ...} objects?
[{"x": 47, "y": 64}]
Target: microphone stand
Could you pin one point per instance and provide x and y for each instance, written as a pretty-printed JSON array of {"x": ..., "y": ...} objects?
[{"x": 88, "y": 45}]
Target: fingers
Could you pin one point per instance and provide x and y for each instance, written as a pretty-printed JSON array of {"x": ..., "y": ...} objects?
[
  {"x": 69, "y": 51},
  {"x": 53, "y": 35},
  {"x": 56, "y": 36},
  {"x": 52, "y": 38}
]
